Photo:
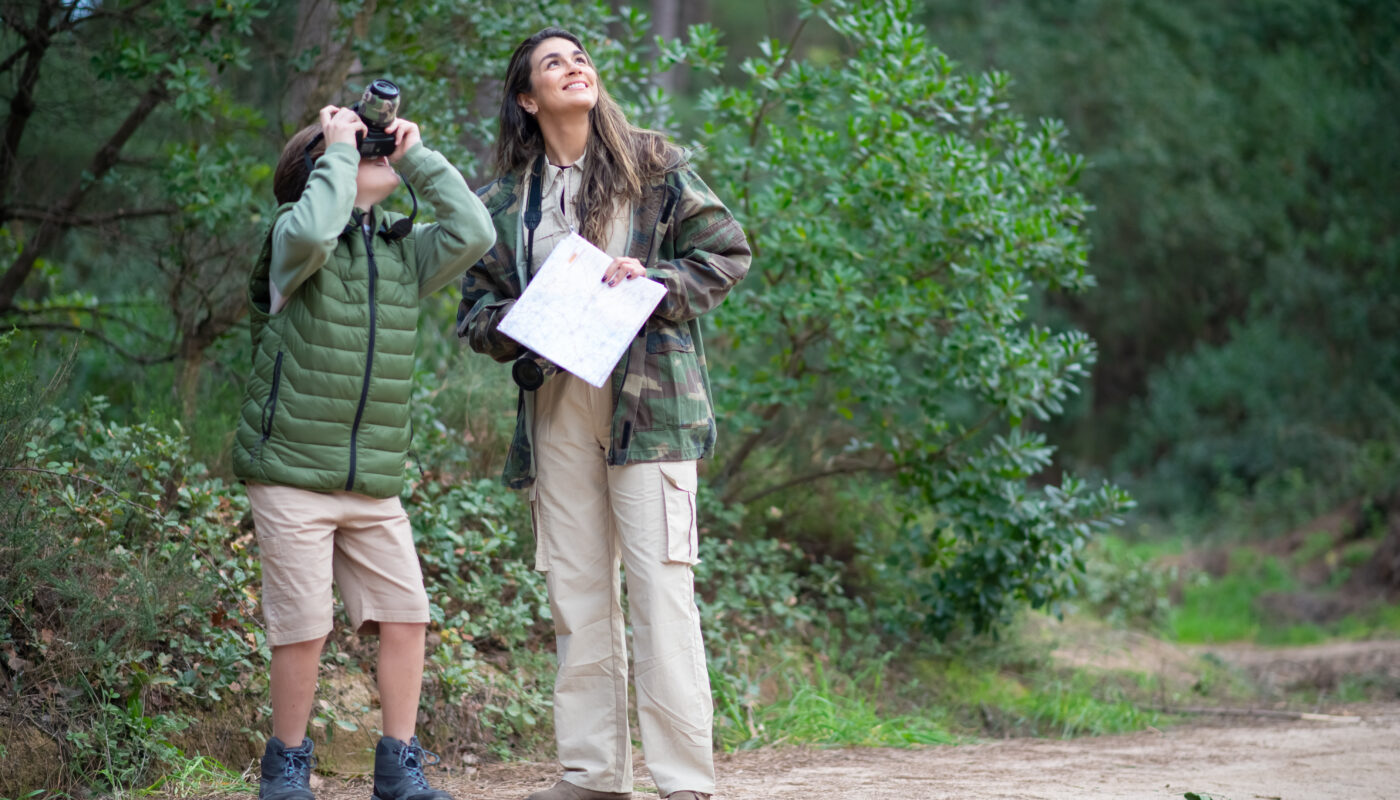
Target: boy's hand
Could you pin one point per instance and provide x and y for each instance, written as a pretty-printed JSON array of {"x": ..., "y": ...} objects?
[
  {"x": 405, "y": 136},
  {"x": 341, "y": 125}
]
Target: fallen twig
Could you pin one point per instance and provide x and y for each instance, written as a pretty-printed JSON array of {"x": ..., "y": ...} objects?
[{"x": 1260, "y": 712}]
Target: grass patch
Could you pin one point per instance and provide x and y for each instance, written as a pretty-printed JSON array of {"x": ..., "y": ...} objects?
[
  {"x": 1381, "y": 621},
  {"x": 1226, "y": 608},
  {"x": 1049, "y": 702},
  {"x": 820, "y": 707},
  {"x": 200, "y": 777},
  {"x": 1222, "y": 609}
]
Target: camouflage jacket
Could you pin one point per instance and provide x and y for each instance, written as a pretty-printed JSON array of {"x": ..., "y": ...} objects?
[{"x": 692, "y": 245}]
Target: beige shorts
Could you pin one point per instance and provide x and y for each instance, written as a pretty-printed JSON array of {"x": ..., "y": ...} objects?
[{"x": 309, "y": 540}]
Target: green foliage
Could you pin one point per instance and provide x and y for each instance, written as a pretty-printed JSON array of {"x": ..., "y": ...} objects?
[
  {"x": 142, "y": 162},
  {"x": 1125, "y": 587},
  {"x": 902, "y": 218},
  {"x": 125, "y": 608},
  {"x": 1243, "y": 177},
  {"x": 1224, "y": 609}
]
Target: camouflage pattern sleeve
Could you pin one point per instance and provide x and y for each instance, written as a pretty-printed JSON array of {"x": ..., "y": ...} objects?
[
  {"x": 490, "y": 286},
  {"x": 711, "y": 253},
  {"x": 484, "y": 303}
]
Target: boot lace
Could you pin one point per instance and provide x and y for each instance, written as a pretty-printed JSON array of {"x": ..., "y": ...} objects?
[
  {"x": 297, "y": 769},
  {"x": 411, "y": 759}
]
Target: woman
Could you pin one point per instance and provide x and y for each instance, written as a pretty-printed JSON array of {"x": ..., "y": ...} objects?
[{"x": 611, "y": 471}]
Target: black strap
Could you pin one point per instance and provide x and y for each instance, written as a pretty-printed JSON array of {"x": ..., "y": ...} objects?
[
  {"x": 533, "y": 215},
  {"x": 404, "y": 226}
]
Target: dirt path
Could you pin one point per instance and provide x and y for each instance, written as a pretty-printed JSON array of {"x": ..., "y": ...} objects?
[{"x": 1239, "y": 760}]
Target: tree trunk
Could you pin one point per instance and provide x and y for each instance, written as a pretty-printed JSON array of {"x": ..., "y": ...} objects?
[
  {"x": 666, "y": 24},
  {"x": 187, "y": 388},
  {"x": 318, "y": 27}
]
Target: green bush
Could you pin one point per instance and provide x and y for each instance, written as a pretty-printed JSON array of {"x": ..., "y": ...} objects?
[
  {"x": 124, "y": 605},
  {"x": 903, "y": 220}
]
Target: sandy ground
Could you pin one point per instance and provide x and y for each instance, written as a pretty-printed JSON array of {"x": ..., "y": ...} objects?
[{"x": 1234, "y": 758}]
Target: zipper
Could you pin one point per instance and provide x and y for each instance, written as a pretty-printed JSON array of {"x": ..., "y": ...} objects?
[
  {"x": 270, "y": 407},
  {"x": 625, "y": 443},
  {"x": 369, "y": 356}
]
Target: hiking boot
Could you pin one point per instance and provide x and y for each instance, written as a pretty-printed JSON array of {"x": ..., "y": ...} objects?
[
  {"x": 286, "y": 772},
  {"x": 686, "y": 794},
  {"x": 398, "y": 771},
  {"x": 563, "y": 790}
]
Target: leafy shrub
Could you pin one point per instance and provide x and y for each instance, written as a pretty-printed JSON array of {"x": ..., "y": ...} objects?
[
  {"x": 124, "y": 604},
  {"x": 903, "y": 218},
  {"x": 1125, "y": 587}
]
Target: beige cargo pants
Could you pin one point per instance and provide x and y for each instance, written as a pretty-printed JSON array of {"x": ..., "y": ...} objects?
[{"x": 589, "y": 517}]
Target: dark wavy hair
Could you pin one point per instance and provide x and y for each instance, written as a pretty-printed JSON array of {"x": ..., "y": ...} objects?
[{"x": 618, "y": 160}]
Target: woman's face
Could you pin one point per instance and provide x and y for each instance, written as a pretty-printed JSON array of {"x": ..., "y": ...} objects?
[{"x": 562, "y": 80}]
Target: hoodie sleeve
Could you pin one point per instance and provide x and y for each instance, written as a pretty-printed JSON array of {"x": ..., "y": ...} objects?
[
  {"x": 463, "y": 232},
  {"x": 305, "y": 236}
]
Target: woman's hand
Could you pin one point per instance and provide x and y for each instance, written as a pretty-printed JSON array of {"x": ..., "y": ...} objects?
[
  {"x": 405, "y": 136},
  {"x": 623, "y": 268},
  {"x": 341, "y": 125}
]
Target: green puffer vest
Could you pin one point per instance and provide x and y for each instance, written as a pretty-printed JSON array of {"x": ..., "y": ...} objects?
[{"x": 327, "y": 402}]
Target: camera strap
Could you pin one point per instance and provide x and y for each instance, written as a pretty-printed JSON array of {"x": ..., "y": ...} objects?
[
  {"x": 533, "y": 214},
  {"x": 306, "y": 153}
]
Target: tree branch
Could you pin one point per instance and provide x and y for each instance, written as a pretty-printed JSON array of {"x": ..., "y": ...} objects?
[
  {"x": 22, "y": 104},
  {"x": 70, "y": 22},
  {"x": 942, "y": 452},
  {"x": 10, "y": 60},
  {"x": 816, "y": 476},
  {"x": 763, "y": 109},
  {"x": 736, "y": 462},
  {"x": 797, "y": 366},
  {"x": 32, "y": 214},
  {"x": 102, "y": 161},
  {"x": 97, "y": 313},
  {"x": 123, "y": 352}
]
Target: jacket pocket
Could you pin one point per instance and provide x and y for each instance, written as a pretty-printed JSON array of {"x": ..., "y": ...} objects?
[
  {"x": 664, "y": 337},
  {"x": 670, "y": 394},
  {"x": 269, "y": 409},
  {"x": 678, "y": 485},
  {"x": 541, "y": 547}
]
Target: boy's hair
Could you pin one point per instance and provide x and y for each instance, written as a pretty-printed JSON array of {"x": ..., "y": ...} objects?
[{"x": 289, "y": 179}]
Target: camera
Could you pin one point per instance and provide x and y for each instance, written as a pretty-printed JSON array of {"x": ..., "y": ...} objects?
[
  {"x": 530, "y": 370},
  {"x": 378, "y": 107}
]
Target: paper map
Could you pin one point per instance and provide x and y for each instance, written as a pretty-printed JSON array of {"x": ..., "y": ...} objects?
[{"x": 569, "y": 316}]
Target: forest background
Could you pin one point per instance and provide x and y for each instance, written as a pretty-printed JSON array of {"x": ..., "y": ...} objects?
[{"x": 1024, "y": 272}]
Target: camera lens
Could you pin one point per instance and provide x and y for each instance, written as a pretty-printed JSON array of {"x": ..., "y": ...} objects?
[
  {"x": 382, "y": 87},
  {"x": 527, "y": 373},
  {"x": 380, "y": 104}
]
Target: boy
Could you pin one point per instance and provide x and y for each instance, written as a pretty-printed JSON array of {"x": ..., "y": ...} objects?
[{"x": 325, "y": 424}]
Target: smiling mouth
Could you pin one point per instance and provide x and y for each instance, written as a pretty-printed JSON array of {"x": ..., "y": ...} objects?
[{"x": 575, "y": 85}]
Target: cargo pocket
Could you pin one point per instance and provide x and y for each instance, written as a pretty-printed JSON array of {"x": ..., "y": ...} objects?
[
  {"x": 678, "y": 483},
  {"x": 541, "y": 549}
]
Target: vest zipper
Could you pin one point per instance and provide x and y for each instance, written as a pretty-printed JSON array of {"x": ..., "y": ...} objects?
[
  {"x": 269, "y": 409},
  {"x": 369, "y": 356}
]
